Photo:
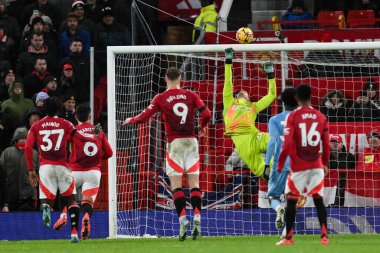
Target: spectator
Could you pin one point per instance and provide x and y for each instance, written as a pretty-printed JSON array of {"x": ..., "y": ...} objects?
[
  {"x": 360, "y": 58},
  {"x": 68, "y": 109},
  {"x": 109, "y": 33},
  {"x": 369, "y": 159},
  {"x": 9, "y": 23},
  {"x": 9, "y": 78},
  {"x": 235, "y": 162},
  {"x": 33, "y": 82},
  {"x": 333, "y": 105},
  {"x": 19, "y": 195},
  {"x": 297, "y": 11},
  {"x": 72, "y": 31},
  {"x": 367, "y": 5},
  {"x": 321, "y": 63},
  {"x": 26, "y": 60},
  {"x": 40, "y": 99},
  {"x": 288, "y": 84},
  {"x": 40, "y": 25},
  {"x": 92, "y": 10},
  {"x": 340, "y": 159},
  {"x": 68, "y": 85},
  {"x": 8, "y": 48},
  {"x": 5, "y": 132},
  {"x": 206, "y": 21},
  {"x": 84, "y": 23},
  {"x": 33, "y": 115},
  {"x": 80, "y": 63},
  {"x": 51, "y": 85},
  {"x": 366, "y": 106},
  {"x": 44, "y": 9}
]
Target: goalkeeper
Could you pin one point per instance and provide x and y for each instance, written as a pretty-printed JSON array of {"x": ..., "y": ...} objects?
[{"x": 240, "y": 115}]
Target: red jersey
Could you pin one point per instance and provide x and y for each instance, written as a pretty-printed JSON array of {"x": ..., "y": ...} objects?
[
  {"x": 51, "y": 135},
  {"x": 369, "y": 160},
  {"x": 306, "y": 128},
  {"x": 88, "y": 155},
  {"x": 178, "y": 111}
]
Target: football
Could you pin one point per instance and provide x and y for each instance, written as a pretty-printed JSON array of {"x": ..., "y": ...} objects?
[{"x": 244, "y": 35}]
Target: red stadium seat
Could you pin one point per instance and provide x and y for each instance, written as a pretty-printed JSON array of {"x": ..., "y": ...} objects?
[
  {"x": 361, "y": 18},
  {"x": 331, "y": 19}
]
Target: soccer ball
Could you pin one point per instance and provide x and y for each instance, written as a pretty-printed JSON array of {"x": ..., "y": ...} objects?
[{"x": 244, "y": 35}]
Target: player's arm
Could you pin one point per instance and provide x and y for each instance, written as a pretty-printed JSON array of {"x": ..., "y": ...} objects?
[
  {"x": 273, "y": 134},
  {"x": 203, "y": 110},
  {"x": 326, "y": 146},
  {"x": 265, "y": 101},
  {"x": 228, "y": 96},
  {"x": 106, "y": 148},
  {"x": 145, "y": 115},
  {"x": 288, "y": 142}
]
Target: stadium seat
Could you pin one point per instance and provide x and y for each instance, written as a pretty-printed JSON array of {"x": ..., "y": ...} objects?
[
  {"x": 331, "y": 19},
  {"x": 361, "y": 18}
]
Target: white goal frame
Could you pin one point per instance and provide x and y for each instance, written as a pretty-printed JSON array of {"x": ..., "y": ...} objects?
[{"x": 112, "y": 125}]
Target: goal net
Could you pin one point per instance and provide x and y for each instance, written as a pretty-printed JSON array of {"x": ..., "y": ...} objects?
[{"x": 345, "y": 82}]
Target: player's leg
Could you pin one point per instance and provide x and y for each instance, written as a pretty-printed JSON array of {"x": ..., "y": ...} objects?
[
  {"x": 276, "y": 187},
  {"x": 48, "y": 187},
  {"x": 317, "y": 185},
  {"x": 90, "y": 190},
  {"x": 66, "y": 186}
]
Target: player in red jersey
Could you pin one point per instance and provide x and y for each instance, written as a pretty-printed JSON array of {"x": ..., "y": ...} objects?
[
  {"x": 51, "y": 135},
  {"x": 85, "y": 164},
  {"x": 177, "y": 106},
  {"x": 306, "y": 128}
]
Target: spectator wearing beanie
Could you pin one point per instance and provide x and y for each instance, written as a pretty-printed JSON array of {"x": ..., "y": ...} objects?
[
  {"x": 33, "y": 82},
  {"x": 8, "y": 47},
  {"x": 11, "y": 26},
  {"x": 68, "y": 109},
  {"x": 72, "y": 31},
  {"x": 297, "y": 11},
  {"x": 36, "y": 49},
  {"x": 9, "y": 78},
  {"x": 40, "y": 99},
  {"x": 16, "y": 106},
  {"x": 84, "y": 23},
  {"x": 17, "y": 191},
  {"x": 44, "y": 8},
  {"x": 51, "y": 85},
  {"x": 109, "y": 33},
  {"x": 92, "y": 10},
  {"x": 33, "y": 115}
]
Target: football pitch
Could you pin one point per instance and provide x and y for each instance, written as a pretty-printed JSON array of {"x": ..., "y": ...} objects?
[{"x": 239, "y": 244}]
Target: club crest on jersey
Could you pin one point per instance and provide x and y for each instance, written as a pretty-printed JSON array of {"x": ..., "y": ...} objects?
[
  {"x": 171, "y": 98},
  {"x": 309, "y": 116}
]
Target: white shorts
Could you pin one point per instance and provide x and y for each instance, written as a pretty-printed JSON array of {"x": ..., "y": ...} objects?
[
  {"x": 88, "y": 181},
  {"x": 182, "y": 157},
  {"x": 54, "y": 177},
  {"x": 311, "y": 180}
]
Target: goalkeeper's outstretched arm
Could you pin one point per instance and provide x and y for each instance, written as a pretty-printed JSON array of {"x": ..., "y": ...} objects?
[
  {"x": 272, "y": 90},
  {"x": 228, "y": 88}
]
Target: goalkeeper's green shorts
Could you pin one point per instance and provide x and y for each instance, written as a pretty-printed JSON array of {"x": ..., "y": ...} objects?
[{"x": 250, "y": 149}]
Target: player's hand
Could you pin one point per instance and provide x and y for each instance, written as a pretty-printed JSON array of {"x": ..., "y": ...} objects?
[
  {"x": 268, "y": 67},
  {"x": 97, "y": 129},
  {"x": 33, "y": 178},
  {"x": 5, "y": 209},
  {"x": 127, "y": 121},
  {"x": 229, "y": 53},
  {"x": 326, "y": 170},
  {"x": 202, "y": 131}
]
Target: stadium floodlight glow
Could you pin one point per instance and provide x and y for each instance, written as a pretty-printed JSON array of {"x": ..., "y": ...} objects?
[{"x": 139, "y": 196}]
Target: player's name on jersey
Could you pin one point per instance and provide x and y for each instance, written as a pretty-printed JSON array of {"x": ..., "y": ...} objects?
[
  {"x": 309, "y": 116},
  {"x": 50, "y": 124},
  {"x": 171, "y": 98},
  {"x": 86, "y": 130}
]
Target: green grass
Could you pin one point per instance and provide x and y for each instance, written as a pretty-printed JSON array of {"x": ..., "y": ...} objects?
[{"x": 238, "y": 244}]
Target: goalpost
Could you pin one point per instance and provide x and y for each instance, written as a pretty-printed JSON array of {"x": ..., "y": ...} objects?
[{"x": 234, "y": 202}]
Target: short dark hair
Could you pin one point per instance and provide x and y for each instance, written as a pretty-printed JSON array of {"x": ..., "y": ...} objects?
[
  {"x": 304, "y": 92},
  {"x": 172, "y": 74},
  {"x": 288, "y": 97},
  {"x": 51, "y": 106},
  {"x": 83, "y": 113},
  {"x": 76, "y": 39},
  {"x": 40, "y": 58},
  {"x": 37, "y": 34}
]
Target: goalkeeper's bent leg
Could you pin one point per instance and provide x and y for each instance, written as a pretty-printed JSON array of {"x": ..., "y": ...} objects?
[{"x": 290, "y": 215}]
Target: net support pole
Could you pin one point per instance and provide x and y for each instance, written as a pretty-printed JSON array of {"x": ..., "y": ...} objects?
[
  {"x": 92, "y": 82},
  {"x": 112, "y": 196}
]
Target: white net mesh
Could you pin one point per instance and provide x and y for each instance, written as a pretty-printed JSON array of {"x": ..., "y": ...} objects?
[{"x": 234, "y": 202}]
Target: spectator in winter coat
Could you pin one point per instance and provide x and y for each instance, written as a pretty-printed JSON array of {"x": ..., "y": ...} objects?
[
  {"x": 33, "y": 115},
  {"x": 109, "y": 33},
  {"x": 9, "y": 78},
  {"x": 297, "y": 11},
  {"x": 33, "y": 82},
  {"x": 369, "y": 159},
  {"x": 44, "y": 9},
  {"x": 68, "y": 109},
  {"x": 92, "y": 10},
  {"x": 366, "y": 106},
  {"x": 51, "y": 85},
  {"x": 72, "y": 31},
  {"x": 333, "y": 105},
  {"x": 18, "y": 193},
  {"x": 8, "y": 47},
  {"x": 10, "y": 24}
]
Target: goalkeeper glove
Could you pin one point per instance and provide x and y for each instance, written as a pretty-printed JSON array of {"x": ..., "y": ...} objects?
[
  {"x": 269, "y": 69},
  {"x": 229, "y": 55}
]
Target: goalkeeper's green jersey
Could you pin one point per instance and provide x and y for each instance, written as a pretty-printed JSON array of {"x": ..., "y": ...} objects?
[{"x": 240, "y": 114}]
